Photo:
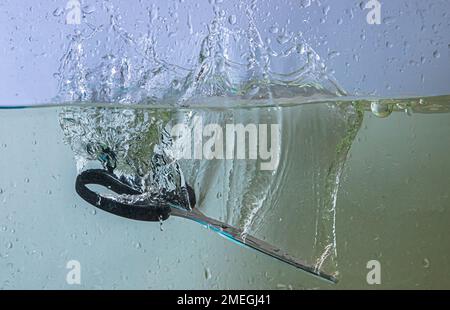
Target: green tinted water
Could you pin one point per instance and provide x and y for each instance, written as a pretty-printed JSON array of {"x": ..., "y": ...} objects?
[{"x": 370, "y": 178}]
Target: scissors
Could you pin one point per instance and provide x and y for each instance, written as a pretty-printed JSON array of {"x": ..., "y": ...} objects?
[{"x": 181, "y": 205}]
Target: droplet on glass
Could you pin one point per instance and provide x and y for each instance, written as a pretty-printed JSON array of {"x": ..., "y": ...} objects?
[
  {"x": 426, "y": 263},
  {"x": 207, "y": 273},
  {"x": 88, "y": 9},
  {"x": 57, "y": 12},
  {"x": 232, "y": 19},
  {"x": 305, "y": 3}
]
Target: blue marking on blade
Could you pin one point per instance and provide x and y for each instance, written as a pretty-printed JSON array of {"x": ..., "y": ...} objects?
[
  {"x": 214, "y": 229},
  {"x": 221, "y": 232}
]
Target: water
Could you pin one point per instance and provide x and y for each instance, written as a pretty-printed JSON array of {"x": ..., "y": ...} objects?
[
  {"x": 355, "y": 182},
  {"x": 239, "y": 192}
]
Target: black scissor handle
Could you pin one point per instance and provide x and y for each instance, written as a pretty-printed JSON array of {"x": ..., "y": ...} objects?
[{"x": 141, "y": 210}]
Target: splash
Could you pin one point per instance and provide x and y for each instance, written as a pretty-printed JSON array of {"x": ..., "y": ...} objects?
[
  {"x": 228, "y": 65},
  {"x": 133, "y": 143},
  {"x": 229, "y": 61}
]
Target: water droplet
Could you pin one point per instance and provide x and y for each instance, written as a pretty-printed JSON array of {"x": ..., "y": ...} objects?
[
  {"x": 436, "y": 54},
  {"x": 161, "y": 228},
  {"x": 207, "y": 273},
  {"x": 426, "y": 263},
  {"x": 9, "y": 245},
  {"x": 88, "y": 9},
  {"x": 381, "y": 109},
  {"x": 333, "y": 54},
  {"x": 176, "y": 84},
  {"x": 27, "y": 180},
  {"x": 138, "y": 245},
  {"x": 57, "y": 12},
  {"x": 273, "y": 29},
  {"x": 305, "y": 3},
  {"x": 232, "y": 19},
  {"x": 388, "y": 20},
  {"x": 408, "y": 111},
  {"x": 283, "y": 38}
]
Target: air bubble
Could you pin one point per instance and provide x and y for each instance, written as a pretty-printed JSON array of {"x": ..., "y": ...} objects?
[{"x": 381, "y": 110}]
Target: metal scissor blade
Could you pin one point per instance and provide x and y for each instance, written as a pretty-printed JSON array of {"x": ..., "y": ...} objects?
[{"x": 241, "y": 238}]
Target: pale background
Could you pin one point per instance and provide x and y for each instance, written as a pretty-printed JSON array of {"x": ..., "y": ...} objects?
[{"x": 408, "y": 54}]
